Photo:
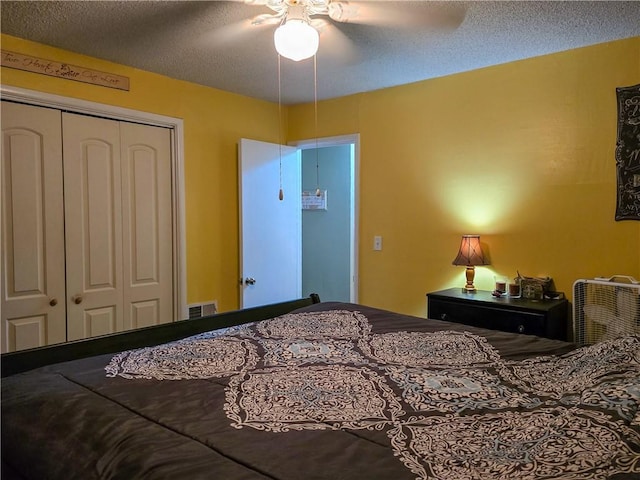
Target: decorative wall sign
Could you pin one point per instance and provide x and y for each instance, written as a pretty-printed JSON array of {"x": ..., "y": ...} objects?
[
  {"x": 628, "y": 153},
  {"x": 63, "y": 70},
  {"x": 312, "y": 201}
]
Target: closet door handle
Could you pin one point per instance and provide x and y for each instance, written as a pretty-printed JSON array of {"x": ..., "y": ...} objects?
[
  {"x": 53, "y": 302},
  {"x": 77, "y": 299}
]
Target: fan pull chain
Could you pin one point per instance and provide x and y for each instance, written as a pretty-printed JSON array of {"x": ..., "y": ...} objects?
[
  {"x": 280, "y": 192},
  {"x": 315, "y": 107}
]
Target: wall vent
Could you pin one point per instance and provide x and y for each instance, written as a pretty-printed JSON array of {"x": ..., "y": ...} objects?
[{"x": 197, "y": 310}]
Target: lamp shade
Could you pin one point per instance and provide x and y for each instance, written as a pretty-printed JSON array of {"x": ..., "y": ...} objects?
[
  {"x": 296, "y": 40},
  {"x": 470, "y": 252}
]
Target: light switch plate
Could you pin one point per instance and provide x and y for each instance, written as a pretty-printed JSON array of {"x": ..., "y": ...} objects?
[{"x": 377, "y": 242}]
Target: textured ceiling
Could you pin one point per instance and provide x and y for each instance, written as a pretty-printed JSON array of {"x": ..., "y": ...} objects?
[{"x": 213, "y": 42}]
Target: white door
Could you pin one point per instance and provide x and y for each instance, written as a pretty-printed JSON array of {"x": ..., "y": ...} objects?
[
  {"x": 32, "y": 258},
  {"x": 270, "y": 228},
  {"x": 93, "y": 224},
  {"x": 147, "y": 232}
]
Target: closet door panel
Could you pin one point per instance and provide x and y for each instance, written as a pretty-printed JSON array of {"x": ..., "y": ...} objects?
[
  {"x": 93, "y": 223},
  {"x": 32, "y": 277},
  {"x": 147, "y": 225}
]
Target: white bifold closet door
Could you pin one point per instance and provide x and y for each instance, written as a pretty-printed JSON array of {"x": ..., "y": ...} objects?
[
  {"x": 117, "y": 202},
  {"x": 115, "y": 199},
  {"x": 33, "y": 285}
]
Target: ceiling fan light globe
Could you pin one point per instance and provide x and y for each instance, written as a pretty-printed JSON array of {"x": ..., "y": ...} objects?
[{"x": 296, "y": 40}]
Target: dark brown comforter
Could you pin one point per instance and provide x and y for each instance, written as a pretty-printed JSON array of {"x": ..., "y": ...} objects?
[{"x": 332, "y": 391}]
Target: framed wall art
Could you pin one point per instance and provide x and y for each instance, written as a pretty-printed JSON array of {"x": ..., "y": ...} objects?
[{"x": 628, "y": 154}]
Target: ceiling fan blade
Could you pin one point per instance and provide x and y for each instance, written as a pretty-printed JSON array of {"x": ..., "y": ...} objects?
[
  {"x": 247, "y": 2},
  {"x": 227, "y": 34},
  {"x": 267, "y": 19},
  {"x": 235, "y": 32},
  {"x": 334, "y": 44},
  {"x": 401, "y": 14}
]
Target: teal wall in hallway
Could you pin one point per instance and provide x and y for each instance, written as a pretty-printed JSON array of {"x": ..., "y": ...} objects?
[{"x": 326, "y": 233}]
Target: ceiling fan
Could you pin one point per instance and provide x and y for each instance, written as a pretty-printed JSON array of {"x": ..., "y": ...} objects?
[{"x": 297, "y": 37}]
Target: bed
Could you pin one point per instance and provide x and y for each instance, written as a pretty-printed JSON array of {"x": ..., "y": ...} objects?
[{"x": 326, "y": 391}]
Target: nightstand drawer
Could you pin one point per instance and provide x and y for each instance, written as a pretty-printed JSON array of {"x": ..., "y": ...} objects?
[
  {"x": 544, "y": 318},
  {"x": 487, "y": 317}
]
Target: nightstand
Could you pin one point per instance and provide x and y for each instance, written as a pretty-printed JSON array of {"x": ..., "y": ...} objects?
[{"x": 545, "y": 318}]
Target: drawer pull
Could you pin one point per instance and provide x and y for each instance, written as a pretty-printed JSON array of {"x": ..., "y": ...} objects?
[
  {"x": 444, "y": 316},
  {"x": 520, "y": 328}
]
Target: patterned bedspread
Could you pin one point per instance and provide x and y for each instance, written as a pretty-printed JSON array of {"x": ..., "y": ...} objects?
[{"x": 333, "y": 391}]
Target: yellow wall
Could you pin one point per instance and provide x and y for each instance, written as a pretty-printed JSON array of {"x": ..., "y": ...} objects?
[
  {"x": 213, "y": 122},
  {"x": 521, "y": 153}
]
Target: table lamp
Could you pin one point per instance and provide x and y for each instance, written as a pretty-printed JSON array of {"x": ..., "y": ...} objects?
[{"x": 470, "y": 254}]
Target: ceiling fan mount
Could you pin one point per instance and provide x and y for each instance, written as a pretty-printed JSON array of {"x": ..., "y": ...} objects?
[{"x": 285, "y": 10}]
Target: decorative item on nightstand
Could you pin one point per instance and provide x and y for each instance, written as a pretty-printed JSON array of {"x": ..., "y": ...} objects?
[
  {"x": 515, "y": 288},
  {"x": 501, "y": 286},
  {"x": 470, "y": 254},
  {"x": 536, "y": 288}
]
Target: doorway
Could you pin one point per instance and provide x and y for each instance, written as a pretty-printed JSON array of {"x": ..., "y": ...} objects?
[
  {"x": 327, "y": 180},
  {"x": 329, "y": 234},
  {"x": 271, "y": 230}
]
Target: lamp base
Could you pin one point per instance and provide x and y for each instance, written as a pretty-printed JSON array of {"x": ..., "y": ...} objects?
[{"x": 470, "y": 273}]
